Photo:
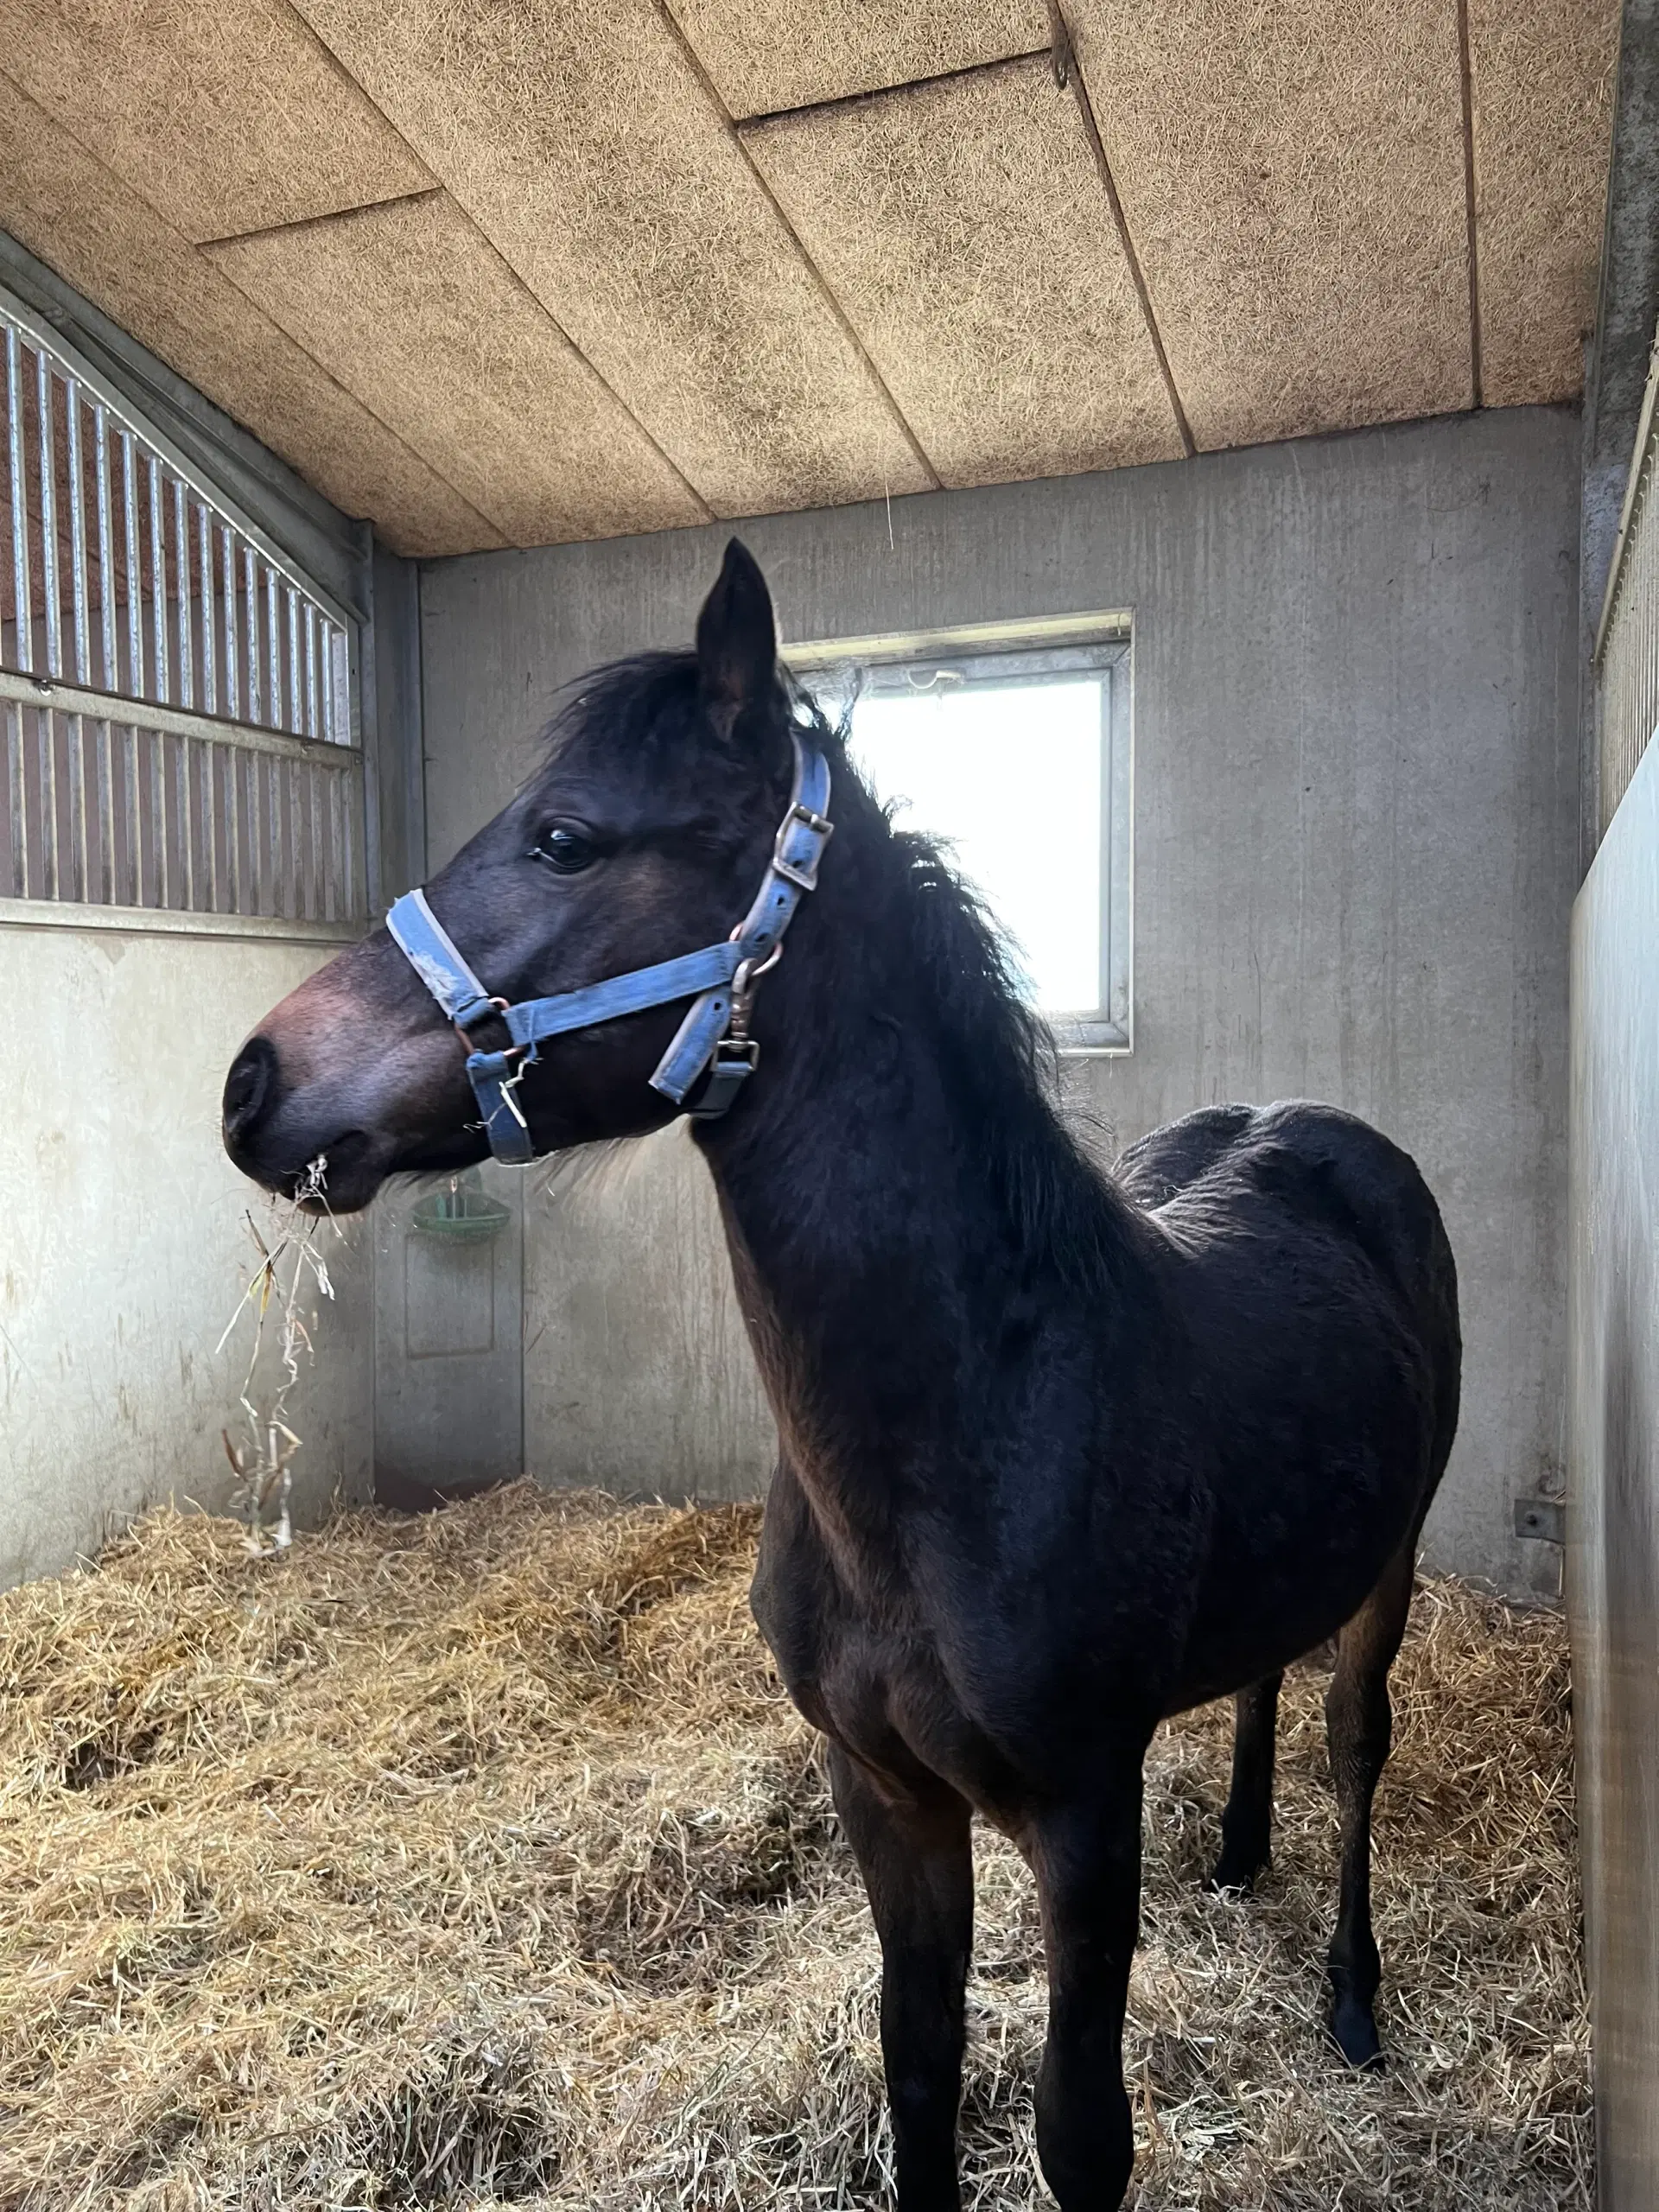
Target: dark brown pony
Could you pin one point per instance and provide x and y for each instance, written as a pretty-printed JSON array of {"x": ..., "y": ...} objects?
[{"x": 1061, "y": 1453}]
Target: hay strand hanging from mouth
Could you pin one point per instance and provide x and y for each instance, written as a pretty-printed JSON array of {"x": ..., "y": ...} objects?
[{"x": 476, "y": 1860}]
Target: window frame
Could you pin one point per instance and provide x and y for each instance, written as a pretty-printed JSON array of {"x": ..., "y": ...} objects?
[{"x": 1005, "y": 656}]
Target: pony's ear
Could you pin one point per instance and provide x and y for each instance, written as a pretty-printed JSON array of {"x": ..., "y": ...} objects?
[{"x": 737, "y": 641}]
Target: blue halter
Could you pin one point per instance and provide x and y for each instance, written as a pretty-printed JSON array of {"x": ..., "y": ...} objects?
[{"x": 720, "y": 980}]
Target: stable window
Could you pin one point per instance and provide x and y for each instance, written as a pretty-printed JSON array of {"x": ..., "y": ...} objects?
[
  {"x": 1015, "y": 752},
  {"x": 178, "y": 727}
]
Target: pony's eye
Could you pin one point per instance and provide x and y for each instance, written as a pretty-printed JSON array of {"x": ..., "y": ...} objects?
[{"x": 567, "y": 852}]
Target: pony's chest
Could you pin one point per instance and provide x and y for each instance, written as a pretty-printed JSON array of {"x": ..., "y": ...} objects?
[{"x": 871, "y": 1677}]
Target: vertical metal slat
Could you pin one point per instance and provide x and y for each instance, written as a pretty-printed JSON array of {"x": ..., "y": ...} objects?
[
  {"x": 181, "y": 571},
  {"x": 274, "y": 648},
  {"x": 326, "y": 655},
  {"x": 232, "y": 680},
  {"x": 233, "y": 830},
  {"x": 296, "y": 711},
  {"x": 75, "y": 726},
  {"x": 162, "y": 876},
  {"x": 209, "y": 644},
  {"x": 111, "y": 653},
  {"x": 23, "y": 608},
  {"x": 135, "y": 568},
  {"x": 135, "y": 667},
  {"x": 310, "y": 670},
  {"x": 17, "y": 799},
  {"x": 163, "y": 692},
  {"x": 23, "y": 599},
  {"x": 45, "y": 737},
  {"x": 186, "y": 748},
  {"x": 251, "y": 604}
]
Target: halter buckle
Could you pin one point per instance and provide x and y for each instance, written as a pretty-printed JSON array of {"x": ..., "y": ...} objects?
[
  {"x": 804, "y": 877},
  {"x": 736, "y": 1060}
]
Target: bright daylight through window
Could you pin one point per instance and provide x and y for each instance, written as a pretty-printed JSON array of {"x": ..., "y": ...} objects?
[{"x": 1018, "y": 763}]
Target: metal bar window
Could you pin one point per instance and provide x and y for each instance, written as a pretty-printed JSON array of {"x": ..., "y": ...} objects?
[{"x": 188, "y": 742}]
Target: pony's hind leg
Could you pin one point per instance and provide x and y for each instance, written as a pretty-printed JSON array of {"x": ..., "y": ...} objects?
[
  {"x": 1247, "y": 1824},
  {"x": 914, "y": 1850},
  {"x": 1359, "y": 1727}
]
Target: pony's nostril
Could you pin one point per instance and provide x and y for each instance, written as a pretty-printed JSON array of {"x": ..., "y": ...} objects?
[{"x": 248, "y": 1086}]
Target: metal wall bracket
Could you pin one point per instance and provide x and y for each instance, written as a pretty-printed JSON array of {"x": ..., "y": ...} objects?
[{"x": 1543, "y": 1519}]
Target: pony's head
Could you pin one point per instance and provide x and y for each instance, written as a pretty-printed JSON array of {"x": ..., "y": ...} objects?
[{"x": 643, "y": 835}]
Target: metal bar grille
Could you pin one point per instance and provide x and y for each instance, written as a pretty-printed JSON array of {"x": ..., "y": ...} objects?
[
  {"x": 175, "y": 696},
  {"x": 1629, "y": 672},
  {"x": 1627, "y": 644}
]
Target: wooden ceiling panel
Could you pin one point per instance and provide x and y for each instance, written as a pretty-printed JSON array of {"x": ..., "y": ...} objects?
[
  {"x": 1292, "y": 179},
  {"x": 100, "y": 238},
  {"x": 767, "y": 54},
  {"x": 963, "y": 225},
  {"x": 226, "y": 121},
  {"x": 1542, "y": 78},
  {"x": 413, "y": 310},
  {"x": 583, "y": 143}
]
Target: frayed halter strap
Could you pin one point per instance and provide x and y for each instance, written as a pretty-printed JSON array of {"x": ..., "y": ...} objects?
[{"x": 719, "y": 979}]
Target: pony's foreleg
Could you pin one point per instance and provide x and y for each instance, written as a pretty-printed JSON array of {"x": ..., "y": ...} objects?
[
  {"x": 1086, "y": 1856},
  {"x": 1247, "y": 1824},
  {"x": 1359, "y": 1727},
  {"x": 913, "y": 1849}
]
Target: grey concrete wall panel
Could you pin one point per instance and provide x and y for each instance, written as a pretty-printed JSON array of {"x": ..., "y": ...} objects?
[
  {"x": 637, "y": 1369},
  {"x": 1613, "y": 1494},
  {"x": 448, "y": 1367},
  {"x": 1355, "y": 675},
  {"x": 124, "y": 1246}
]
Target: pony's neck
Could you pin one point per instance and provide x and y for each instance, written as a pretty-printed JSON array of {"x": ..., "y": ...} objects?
[{"x": 904, "y": 1211}]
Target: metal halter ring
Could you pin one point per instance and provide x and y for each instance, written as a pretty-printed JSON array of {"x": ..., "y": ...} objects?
[
  {"x": 748, "y": 975},
  {"x": 490, "y": 1006}
]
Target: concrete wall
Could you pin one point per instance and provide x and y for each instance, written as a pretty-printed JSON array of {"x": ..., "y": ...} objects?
[
  {"x": 1356, "y": 824},
  {"x": 124, "y": 1250},
  {"x": 1613, "y": 1501}
]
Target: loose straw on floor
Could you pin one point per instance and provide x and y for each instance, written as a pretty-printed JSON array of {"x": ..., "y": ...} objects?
[{"x": 476, "y": 1860}]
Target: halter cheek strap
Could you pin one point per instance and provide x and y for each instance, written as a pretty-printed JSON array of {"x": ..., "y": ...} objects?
[{"x": 720, "y": 980}]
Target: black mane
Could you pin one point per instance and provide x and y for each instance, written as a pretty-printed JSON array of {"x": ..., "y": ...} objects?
[{"x": 997, "y": 1051}]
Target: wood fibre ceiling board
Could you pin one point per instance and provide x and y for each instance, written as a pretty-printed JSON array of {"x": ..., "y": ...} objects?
[
  {"x": 226, "y": 120},
  {"x": 964, "y": 226},
  {"x": 1541, "y": 82},
  {"x": 100, "y": 238},
  {"x": 1292, "y": 179},
  {"x": 583, "y": 143},
  {"x": 410, "y": 308},
  {"x": 767, "y": 54}
]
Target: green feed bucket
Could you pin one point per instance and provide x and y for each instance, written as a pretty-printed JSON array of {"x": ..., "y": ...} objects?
[{"x": 464, "y": 1214}]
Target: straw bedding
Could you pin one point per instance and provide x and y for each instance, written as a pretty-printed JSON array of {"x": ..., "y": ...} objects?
[{"x": 476, "y": 1860}]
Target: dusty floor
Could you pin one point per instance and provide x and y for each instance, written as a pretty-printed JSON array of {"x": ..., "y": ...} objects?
[{"x": 474, "y": 1859}]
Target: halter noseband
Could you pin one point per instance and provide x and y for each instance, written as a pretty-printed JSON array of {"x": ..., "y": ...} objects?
[{"x": 715, "y": 1034}]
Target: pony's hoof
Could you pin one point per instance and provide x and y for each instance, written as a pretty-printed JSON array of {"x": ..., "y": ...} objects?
[
  {"x": 1354, "y": 2032},
  {"x": 1232, "y": 1875}
]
